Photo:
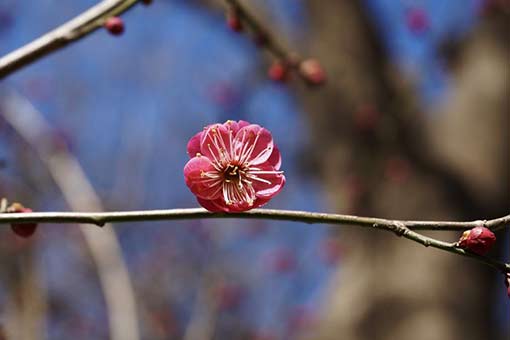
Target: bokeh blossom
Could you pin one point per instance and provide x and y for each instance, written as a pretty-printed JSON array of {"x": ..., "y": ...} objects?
[{"x": 234, "y": 167}]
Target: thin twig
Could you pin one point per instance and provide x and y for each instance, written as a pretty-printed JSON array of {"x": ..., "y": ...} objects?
[
  {"x": 401, "y": 228},
  {"x": 259, "y": 30},
  {"x": 100, "y": 218},
  {"x": 308, "y": 69},
  {"x": 497, "y": 223},
  {"x": 75, "y": 29}
]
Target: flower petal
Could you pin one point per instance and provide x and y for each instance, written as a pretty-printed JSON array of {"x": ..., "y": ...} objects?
[
  {"x": 260, "y": 202},
  {"x": 199, "y": 175},
  {"x": 235, "y": 126},
  {"x": 266, "y": 181},
  {"x": 215, "y": 143},
  {"x": 243, "y": 123},
  {"x": 253, "y": 144},
  {"x": 232, "y": 125},
  {"x": 276, "y": 158},
  {"x": 218, "y": 205},
  {"x": 194, "y": 145},
  {"x": 238, "y": 207},
  {"x": 213, "y": 205}
]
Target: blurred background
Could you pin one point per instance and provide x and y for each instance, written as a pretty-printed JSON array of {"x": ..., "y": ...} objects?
[{"x": 412, "y": 123}]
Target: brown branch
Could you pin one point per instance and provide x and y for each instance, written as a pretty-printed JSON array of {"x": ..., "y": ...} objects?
[
  {"x": 308, "y": 69},
  {"x": 498, "y": 223},
  {"x": 401, "y": 228},
  {"x": 73, "y": 30},
  {"x": 100, "y": 218},
  {"x": 269, "y": 42}
]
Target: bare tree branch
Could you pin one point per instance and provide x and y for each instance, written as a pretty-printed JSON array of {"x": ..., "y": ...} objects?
[
  {"x": 307, "y": 69},
  {"x": 269, "y": 42},
  {"x": 401, "y": 228},
  {"x": 73, "y": 30},
  {"x": 101, "y": 218}
]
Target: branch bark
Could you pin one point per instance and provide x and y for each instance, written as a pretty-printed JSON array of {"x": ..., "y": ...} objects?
[
  {"x": 101, "y": 218},
  {"x": 269, "y": 42},
  {"x": 72, "y": 31}
]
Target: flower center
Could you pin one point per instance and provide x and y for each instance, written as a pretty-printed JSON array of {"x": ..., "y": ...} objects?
[
  {"x": 236, "y": 187},
  {"x": 232, "y": 173}
]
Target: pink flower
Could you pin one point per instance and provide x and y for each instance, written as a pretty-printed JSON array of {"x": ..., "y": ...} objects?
[{"x": 234, "y": 167}]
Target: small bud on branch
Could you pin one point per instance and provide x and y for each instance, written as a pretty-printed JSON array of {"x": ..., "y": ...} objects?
[
  {"x": 479, "y": 240},
  {"x": 21, "y": 229},
  {"x": 310, "y": 70},
  {"x": 62, "y": 36},
  {"x": 234, "y": 21},
  {"x": 278, "y": 71},
  {"x": 114, "y": 25}
]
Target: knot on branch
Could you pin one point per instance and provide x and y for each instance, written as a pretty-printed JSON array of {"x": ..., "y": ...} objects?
[
  {"x": 99, "y": 222},
  {"x": 399, "y": 228},
  {"x": 482, "y": 223}
]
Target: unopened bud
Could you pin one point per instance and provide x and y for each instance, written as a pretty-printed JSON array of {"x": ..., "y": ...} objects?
[
  {"x": 114, "y": 25},
  {"x": 278, "y": 71},
  {"x": 479, "y": 240},
  {"x": 21, "y": 229},
  {"x": 312, "y": 71},
  {"x": 234, "y": 21}
]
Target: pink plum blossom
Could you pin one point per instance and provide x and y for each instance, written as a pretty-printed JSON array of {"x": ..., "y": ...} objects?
[{"x": 234, "y": 167}]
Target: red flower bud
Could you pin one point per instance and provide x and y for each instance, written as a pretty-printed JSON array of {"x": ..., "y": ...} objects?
[
  {"x": 22, "y": 229},
  {"x": 114, "y": 25},
  {"x": 312, "y": 71},
  {"x": 147, "y": 2},
  {"x": 278, "y": 71},
  {"x": 234, "y": 21},
  {"x": 479, "y": 240}
]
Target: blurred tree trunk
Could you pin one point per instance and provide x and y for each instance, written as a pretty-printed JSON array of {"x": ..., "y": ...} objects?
[{"x": 378, "y": 156}]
